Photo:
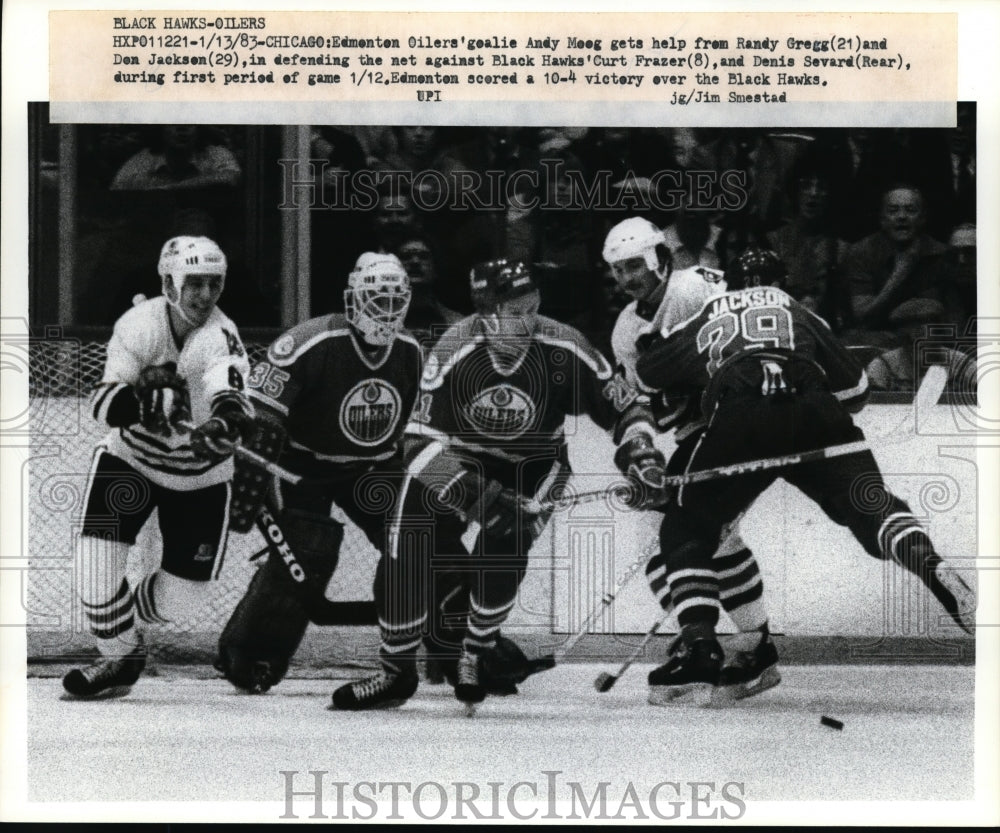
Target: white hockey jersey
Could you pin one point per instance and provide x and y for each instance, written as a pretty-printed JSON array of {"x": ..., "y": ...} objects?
[
  {"x": 214, "y": 365},
  {"x": 687, "y": 291}
]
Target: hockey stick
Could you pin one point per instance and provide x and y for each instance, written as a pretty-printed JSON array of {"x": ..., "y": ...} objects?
[
  {"x": 931, "y": 387},
  {"x": 556, "y": 657},
  {"x": 254, "y": 458},
  {"x": 319, "y": 609},
  {"x": 606, "y": 681},
  {"x": 621, "y": 492}
]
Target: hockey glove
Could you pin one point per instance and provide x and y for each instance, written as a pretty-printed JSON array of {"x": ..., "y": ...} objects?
[
  {"x": 506, "y": 513},
  {"x": 216, "y": 436},
  {"x": 162, "y": 396},
  {"x": 646, "y": 469}
]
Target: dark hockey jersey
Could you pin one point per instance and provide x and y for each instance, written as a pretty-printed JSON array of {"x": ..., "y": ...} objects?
[
  {"x": 470, "y": 401},
  {"x": 752, "y": 339},
  {"x": 337, "y": 404}
]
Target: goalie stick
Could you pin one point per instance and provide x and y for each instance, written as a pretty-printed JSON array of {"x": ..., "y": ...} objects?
[
  {"x": 254, "y": 458},
  {"x": 319, "y": 609}
]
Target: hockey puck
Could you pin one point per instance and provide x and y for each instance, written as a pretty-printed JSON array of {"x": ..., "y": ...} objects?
[{"x": 829, "y": 721}]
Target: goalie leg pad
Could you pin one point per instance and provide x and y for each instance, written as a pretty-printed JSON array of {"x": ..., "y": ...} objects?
[{"x": 268, "y": 624}]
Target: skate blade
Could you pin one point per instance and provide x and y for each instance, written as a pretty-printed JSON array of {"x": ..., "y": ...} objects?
[
  {"x": 381, "y": 707},
  {"x": 729, "y": 694},
  {"x": 690, "y": 694},
  {"x": 113, "y": 693},
  {"x": 469, "y": 709}
]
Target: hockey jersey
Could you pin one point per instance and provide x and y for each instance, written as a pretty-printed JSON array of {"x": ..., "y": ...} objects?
[
  {"x": 467, "y": 399},
  {"x": 752, "y": 339},
  {"x": 213, "y": 364},
  {"x": 687, "y": 290},
  {"x": 338, "y": 405}
]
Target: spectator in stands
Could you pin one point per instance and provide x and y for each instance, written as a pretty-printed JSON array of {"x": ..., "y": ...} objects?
[
  {"x": 808, "y": 244},
  {"x": 339, "y": 234},
  {"x": 559, "y": 238},
  {"x": 691, "y": 239},
  {"x": 394, "y": 220},
  {"x": 903, "y": 367},
  {"x": 180, "y": 156},
  {"x": 959, "y": 291},
  {"x": 961, "y": 200},
  {"x": 738, "y": 231},
  {"x": 427, "y": 317},
  {"x": 896, "y": 264}
]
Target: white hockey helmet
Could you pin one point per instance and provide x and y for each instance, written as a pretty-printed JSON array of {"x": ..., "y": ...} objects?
[
  {"x": 184, "y": 255},
  {"x": 634, "y": 237},
  {"x": 377, "y": 297}
]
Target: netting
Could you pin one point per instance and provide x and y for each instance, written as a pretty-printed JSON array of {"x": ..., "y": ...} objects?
[{"x": 62, "y": 442}]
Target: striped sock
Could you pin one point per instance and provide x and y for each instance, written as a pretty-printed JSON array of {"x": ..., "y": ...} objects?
[
  {"x": 400, "y": 641},
  {"x": 902, "y": 539},
  {"x": 145, "y": 600},
  {"x": 741, "y": 590},
  {"x": 484, "y": 624}
]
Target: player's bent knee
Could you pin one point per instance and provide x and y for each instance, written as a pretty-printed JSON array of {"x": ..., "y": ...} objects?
[{"x": 178, "y": 599}]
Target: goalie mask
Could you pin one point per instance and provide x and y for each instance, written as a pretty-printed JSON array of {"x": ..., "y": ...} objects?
[
  {"x": 183, "y": 258},
  {"x": 637, "y": 253},
  {"x": 377, "y": 297},
  {"x": 506, "y": 298},
  {"x": 756, "y": 267}
]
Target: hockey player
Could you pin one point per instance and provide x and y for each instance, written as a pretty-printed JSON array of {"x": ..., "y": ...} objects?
[
  {"x": 332, "y": 399},
  {"x": 485, "y": 446},
  {"x": 772, "y": 380},
  {"x": 640, "y": 261},
  {"x": 175, "y": 357}
]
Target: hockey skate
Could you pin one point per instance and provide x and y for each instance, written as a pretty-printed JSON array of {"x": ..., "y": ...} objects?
[
  {"x": 382, "y": 690},
  {"x": 436, "y": 670},
  {"x": 689, "y": 676},
  {"x": 107, "y": 677},
  {"x": 748, "y": 673},
  {"x": 440, "y": 663},
  {"x": 468, "y": 687},
  {"x": 955, "y": 595}
]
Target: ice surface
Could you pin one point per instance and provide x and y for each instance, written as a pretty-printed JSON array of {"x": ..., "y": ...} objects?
[{"x": 908, "y": 735}]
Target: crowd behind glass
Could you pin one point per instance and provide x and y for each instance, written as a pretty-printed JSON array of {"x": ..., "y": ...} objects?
[{"x": 876, "y": 226}]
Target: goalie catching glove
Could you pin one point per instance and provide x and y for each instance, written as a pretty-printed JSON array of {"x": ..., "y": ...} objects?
[
  {"x": 646, "y": 469},
  {"x": 162, "y": 397}
]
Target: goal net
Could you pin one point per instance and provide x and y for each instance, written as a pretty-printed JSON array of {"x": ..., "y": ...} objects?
[
  {"x": 62, "y": 441},
  {"x": 574, "y": 561}
]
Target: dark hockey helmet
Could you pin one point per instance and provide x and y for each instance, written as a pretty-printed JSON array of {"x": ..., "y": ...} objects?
[
  {"x": 756, "y": 267},
  {"x": 496, "y": 281}
]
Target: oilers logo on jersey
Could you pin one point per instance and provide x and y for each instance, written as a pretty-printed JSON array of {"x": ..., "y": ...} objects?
[
  {"x": 370, "y": 412},
  {"x": 501, "y": 412}
]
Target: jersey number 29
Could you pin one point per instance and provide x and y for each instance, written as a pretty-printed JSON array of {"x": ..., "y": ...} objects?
[{"x": 757, "y": 327}]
